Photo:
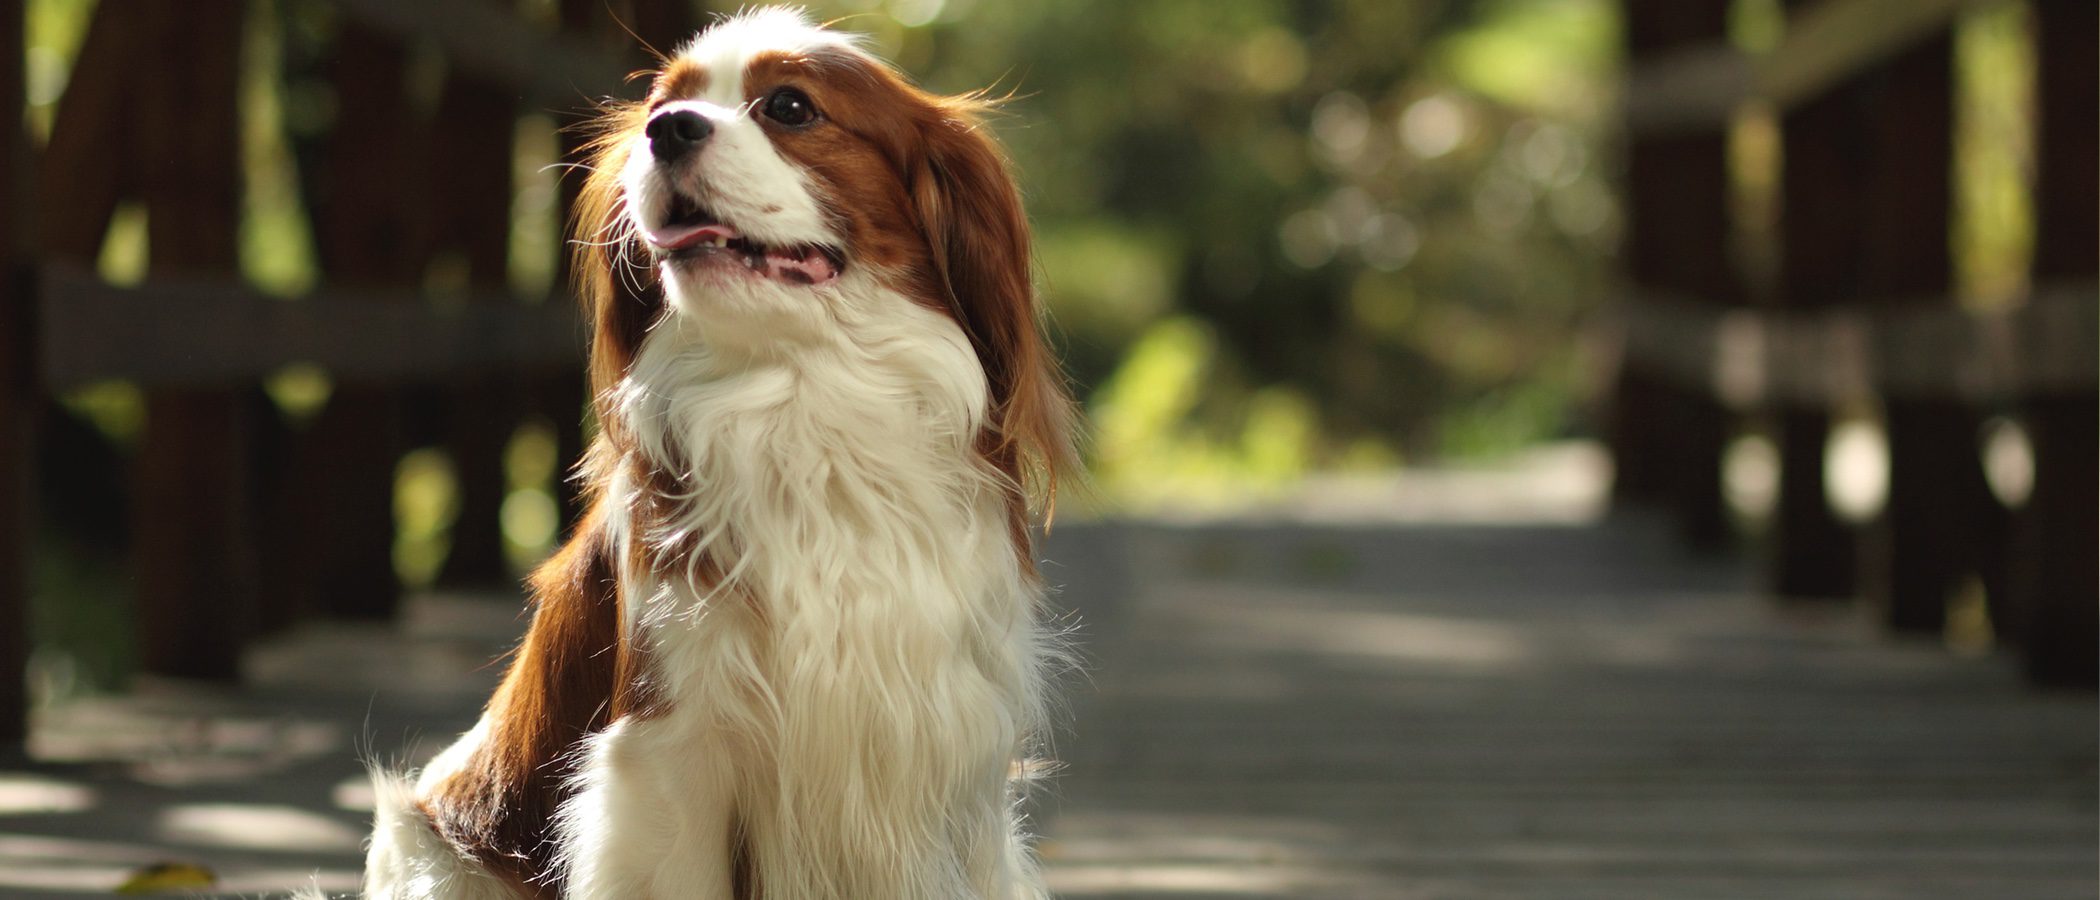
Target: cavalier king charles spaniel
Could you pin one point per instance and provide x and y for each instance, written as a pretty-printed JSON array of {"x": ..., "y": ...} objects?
[{"x": 796, "y": 648}]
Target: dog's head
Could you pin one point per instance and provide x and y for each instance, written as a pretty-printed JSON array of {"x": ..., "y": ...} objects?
[{"x": 775, "y": 170}]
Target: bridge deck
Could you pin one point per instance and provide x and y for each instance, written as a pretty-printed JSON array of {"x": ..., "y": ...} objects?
[
  {"x": 1526, "y": 712},
  {"x": 1391, "y": 711}
]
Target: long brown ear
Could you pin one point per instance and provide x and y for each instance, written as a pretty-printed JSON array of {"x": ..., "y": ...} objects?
[
  {"x": 971, "y": 213},
  {"x": 619, "y": 299}
]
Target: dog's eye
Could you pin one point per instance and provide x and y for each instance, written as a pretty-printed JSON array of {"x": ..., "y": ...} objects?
[{"x": 790, "y": 107}]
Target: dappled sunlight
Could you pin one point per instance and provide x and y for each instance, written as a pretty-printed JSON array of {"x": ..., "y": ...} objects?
[
  {"x": 1123, "y": 880},
  {"x": 1123, "y": 853},
  {"x": 159, "y": 742},
  {"x": 62, "y": 873},
  {"x": 24, "y": 794},
  {"x": 353, "y": 793},
  {"x": 273, "y": 880},
  {"x": 255, "y": 827},
  {"x": 95, "y": 868},
  {"x": 64, "y": 864},
  {"x": 1565, "y": 483},
  {"x": 1289, "y": 626}
]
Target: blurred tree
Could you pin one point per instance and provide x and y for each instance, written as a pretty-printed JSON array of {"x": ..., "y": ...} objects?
[{"x": 1389, "y": 216}]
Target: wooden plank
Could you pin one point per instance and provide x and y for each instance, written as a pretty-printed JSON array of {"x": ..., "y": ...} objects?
[
  {"x": 19, "y": 397},
  {"x": 491, "y": 43},
  {"x": 191, "y": 518},
  {"x": 213, "y": 332},
  {"x": 1607, "y": 720},
  {"x": 2059, "y": 529}
]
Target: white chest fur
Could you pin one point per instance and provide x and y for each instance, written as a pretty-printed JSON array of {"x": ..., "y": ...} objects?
[{"x": 847, "y": 689}]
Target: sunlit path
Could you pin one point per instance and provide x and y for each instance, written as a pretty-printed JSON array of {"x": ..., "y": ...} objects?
[{"x": 1539, "y": 711}]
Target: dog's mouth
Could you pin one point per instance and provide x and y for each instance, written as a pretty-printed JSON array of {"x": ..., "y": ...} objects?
[{"x": 691, "y": 234}]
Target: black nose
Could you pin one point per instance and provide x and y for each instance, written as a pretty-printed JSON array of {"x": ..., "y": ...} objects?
[{"x": 674, "y": 133}]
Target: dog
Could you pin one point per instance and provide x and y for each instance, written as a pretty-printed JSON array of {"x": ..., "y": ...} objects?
[{"x": 797, "y": 647}]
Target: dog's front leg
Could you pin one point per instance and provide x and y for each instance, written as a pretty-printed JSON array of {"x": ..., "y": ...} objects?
[{"x": 651, "y": 819}]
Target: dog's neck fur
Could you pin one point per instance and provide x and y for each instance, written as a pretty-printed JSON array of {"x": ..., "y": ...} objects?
[
  {"x": 768, "y": 444},
  {"x": 819, "y": 563}
]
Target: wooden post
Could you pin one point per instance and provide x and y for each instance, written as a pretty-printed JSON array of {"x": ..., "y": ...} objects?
[
  {"x": 19, "y": 397},
  {"x": 1811, "y": 553},
  {"x": 87, "y": 167},
  {"x": 2057, "y": 532},
  {"x": 1940, "y": 513},
  {"x": 1677, "y": 246},
  {"x": 197, "y": 586},
  {"x": 474, "y": 132},
  {"x": 369, "y": 235}
]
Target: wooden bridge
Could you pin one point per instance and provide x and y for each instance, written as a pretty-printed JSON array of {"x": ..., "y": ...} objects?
[
  {"x": 1516, "y": 707},
  {"x": 1448, "y": 692}
]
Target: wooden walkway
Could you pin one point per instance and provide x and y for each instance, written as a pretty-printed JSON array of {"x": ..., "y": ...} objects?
[
  {"x": 1540, "y": 712},
  {"x": 1291, "y": 711}
]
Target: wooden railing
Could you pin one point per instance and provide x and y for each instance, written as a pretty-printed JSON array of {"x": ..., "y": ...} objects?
[
  {"x": 1862, "y": 313},
  {"x": 222, "y": 546}
]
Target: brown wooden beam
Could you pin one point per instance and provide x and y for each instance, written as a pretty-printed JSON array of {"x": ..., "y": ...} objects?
[
  {"x": 19, "y": 396},
  {"x": 474, "y": 134},
  {"x": 89, "y": 164},
  {"x": 1668, "y": 438},
  {"x": 2057, "y": 533},
  {"x": 217, "y": 332},
  {"x": 1810, "y": 552},
  {"x": 373, "y": 220},
  {"x": 195, "y": 555},
  {"x": 1940, "y": 524}
]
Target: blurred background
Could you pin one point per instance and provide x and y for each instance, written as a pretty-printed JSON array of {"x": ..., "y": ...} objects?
[{"x": 1798, "y": 297}]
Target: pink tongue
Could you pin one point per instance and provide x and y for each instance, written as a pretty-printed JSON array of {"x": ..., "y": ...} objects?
[
  {"x": 679, "y": 236},
  {"x": 802, "y": 266}
]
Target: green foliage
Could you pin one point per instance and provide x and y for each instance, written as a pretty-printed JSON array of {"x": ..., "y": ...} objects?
[
  {"x": 1283, "y": 236},
  {"x": 1994, "y": 102}
]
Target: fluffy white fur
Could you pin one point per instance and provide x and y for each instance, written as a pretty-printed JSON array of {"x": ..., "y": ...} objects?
[{"x": 853, "y": 693}]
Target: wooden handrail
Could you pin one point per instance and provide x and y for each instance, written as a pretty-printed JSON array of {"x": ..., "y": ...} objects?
[
  {"x": 1748, "y": 357},
  {"x": 1698, "y": 89},
  {"x": 192, "y": 333}
]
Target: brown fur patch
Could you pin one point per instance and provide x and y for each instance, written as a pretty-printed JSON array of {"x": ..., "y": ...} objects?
[
  {"x": 680, "y": 78},
  {"x": 922, "y": 192},
  {"x": 564, "y": 683}
]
